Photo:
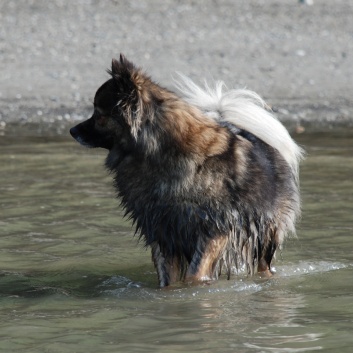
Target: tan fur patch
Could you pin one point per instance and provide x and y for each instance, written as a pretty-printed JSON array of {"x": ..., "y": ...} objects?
[
  {"x": 211, "y": 255},
  {"x": 194, "y": 132}
]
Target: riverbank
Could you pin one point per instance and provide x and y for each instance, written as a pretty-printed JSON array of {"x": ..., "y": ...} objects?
[{"x": 54, "y": 55}]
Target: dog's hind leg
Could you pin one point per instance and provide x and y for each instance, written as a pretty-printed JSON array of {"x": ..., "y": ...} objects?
[
  {"x": 168, "y": 269},
  {"x": 203, "y": 264},
  {"x": 267, "y": 253}
]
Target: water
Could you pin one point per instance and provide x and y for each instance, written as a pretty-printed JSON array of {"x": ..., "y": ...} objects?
[{"x": 73, "y": 278}]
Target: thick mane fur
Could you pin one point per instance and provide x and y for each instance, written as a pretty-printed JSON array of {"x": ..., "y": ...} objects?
[{"x": 246, "y": 110}]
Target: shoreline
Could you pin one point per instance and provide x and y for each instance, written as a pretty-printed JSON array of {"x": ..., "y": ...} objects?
[
  {"x": 299, "y": 58},
  {"x": 39, "y": 119}
]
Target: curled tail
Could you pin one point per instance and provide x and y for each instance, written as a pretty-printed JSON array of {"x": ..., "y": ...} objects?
[{"x": 246, "y": 110}]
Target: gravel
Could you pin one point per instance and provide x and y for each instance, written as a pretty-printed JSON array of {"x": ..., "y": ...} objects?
[{"x": 54, "y": 54}]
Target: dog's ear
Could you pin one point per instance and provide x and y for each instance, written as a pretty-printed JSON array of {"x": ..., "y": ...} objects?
[
  {"x": 126, "y": 63},
  {"x": 128, "y": 80},
  {"x": 122, "y": 66},
  {"x": 122, "y": 72}
]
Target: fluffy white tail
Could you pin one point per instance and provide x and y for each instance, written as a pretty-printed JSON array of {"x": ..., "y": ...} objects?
[{"x": 246, "y": 110}]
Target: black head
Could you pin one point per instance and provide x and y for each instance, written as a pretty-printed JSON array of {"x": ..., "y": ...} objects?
[{"x": 114, "y": 120}]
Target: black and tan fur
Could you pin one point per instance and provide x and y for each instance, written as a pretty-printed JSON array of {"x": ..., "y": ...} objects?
[{"x": 204, "y": 194}]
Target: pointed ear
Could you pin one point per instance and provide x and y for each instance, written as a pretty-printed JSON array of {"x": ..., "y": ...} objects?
[
  {"x": 122, "y": 72},
  {"x": 121, "y": 66},
  {"x": 115, "y": 67},
  {"x": 122, "y": 57},
  {"x": 125, "y": 62},
  {"x": 127, "y": 80}
]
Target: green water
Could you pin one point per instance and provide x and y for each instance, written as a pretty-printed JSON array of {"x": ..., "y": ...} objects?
[{"x": 74, "y": 279}]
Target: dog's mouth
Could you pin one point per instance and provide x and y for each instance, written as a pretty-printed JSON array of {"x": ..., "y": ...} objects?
[
  {"x": 74, "y": 132},
  {"x": 94, "y": 141},
  {"x": 80, "y": 140}
]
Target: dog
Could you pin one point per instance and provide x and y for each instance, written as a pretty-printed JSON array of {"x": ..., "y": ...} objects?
[{"x": 209, "y": 178}]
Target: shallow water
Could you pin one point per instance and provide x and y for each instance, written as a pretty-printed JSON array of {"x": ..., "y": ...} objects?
[{"x": 74, "y": 279}]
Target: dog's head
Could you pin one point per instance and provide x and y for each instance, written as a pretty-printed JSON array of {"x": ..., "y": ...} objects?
[{"x": 118, "y": 108}]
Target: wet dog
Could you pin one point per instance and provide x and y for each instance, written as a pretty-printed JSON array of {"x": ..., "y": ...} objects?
[{"x": 209, "y": 178}]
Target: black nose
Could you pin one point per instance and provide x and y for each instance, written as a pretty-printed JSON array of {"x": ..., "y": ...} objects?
[{"x": 74, "y": 132}]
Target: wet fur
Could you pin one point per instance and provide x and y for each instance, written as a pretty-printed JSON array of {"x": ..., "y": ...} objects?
[{"x": 206, "y": 193}]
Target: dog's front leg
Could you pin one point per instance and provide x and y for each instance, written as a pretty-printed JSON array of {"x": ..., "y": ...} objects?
[
  {"x": 168, "y": 269},
  {"x": 207, "y": 254}
]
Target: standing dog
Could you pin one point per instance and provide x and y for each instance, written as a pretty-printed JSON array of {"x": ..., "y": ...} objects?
[{"x": 210, "y": 180}]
